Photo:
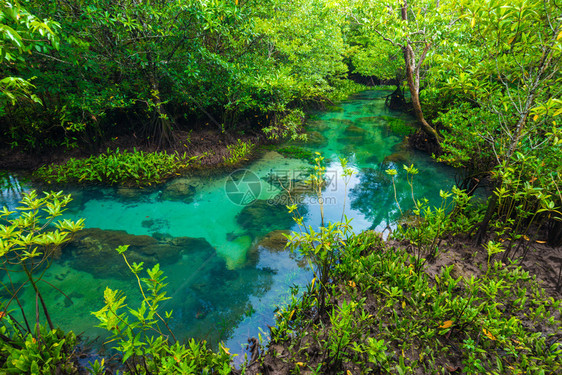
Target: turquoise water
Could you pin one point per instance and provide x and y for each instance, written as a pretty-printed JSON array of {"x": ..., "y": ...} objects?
[{"x": 226, "y": 270}]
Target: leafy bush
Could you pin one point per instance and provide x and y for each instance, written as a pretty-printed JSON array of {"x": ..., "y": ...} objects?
[
  {"x": 118, "y": 168},
  {"x": 373, "y": 308}
]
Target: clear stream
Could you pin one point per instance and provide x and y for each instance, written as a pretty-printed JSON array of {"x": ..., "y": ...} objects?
[{"x": 226, "y": 271}]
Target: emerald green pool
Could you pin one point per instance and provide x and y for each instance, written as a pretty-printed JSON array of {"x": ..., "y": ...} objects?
[{"x": 226, "y": 270}]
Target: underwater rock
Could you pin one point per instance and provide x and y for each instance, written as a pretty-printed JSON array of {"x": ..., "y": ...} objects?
[
  {"x": 353, "y": 135},
  {"x": 93, "y": 250},
  {"x": 319, "y": 125},
  {"x": 180, "y": 189},
  {"x": 189, "y": 244},
  {"x": 147, "y": 223},
  {"x": 275, "y": 240},
  {"x": 350, "y": 147},
  {"x": 397, "y": 158},
  {"x": 128, "y": 193},
  {"x": 264, "y": 216},
  {"x": 155, "y": 225},
  {"x": 370, "y": 120},
  {"x": 355, "y": 131},
  {"x": 162, "y": 237},
  {"x": 341, "y": 121}
]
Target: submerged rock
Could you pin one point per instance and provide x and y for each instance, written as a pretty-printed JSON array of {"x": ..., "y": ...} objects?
[
  {"x": 398, "y": 158},
  {"x": 353, "y": 135},
  {"x": 275, "y": 240},
  {"x": 155, "y": 225},
  {"x": 128, "y": 193},
  {"x": 181, "y": 189},
  {"x": 355, "y": 131},
  {"x": 341, "y": 121},
  {"x": 375, "y": 120},
  {"x": 319, "y": 125},
  {"x": 93, "y": 250},
  {"x": 264, "y": 216}
]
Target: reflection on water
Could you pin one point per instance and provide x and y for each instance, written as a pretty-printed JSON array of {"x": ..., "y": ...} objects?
[{"x": 225, "y": 263}]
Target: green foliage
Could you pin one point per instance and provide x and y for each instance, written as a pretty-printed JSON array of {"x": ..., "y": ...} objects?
[
  {"x": 427, "y": 226},
  {"x": 238, "y": 152},
  {"x": 52, "y": 352},
  {"x": 28, "y": 243},
  {"x": 151, "y": 69},
  {"x": 376, "y": 294},
  {"x": 21, "y": 33},
  {"x": 321, "y": 248},
  {"x": 140, "y": 336},
  {"x": 116, "y": 167},
  {"x": 288, "y": 127},
  {"x": 30, "y": 238},
  {"x": 524, "y": 201}
]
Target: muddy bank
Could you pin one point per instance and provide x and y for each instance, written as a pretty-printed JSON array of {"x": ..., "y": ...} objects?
[{"x": 212, "y": 145}]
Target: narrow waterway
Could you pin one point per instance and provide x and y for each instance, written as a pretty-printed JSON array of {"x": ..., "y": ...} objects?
[{"x": 224, "y": 260}]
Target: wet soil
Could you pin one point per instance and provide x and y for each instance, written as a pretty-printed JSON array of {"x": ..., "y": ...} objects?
[{"x": 210, "y": 143}]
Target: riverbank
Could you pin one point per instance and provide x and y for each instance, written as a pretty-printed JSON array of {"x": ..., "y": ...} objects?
[
  {"x": 462, "y": 312},
  {"x": 202, "y": 142}
]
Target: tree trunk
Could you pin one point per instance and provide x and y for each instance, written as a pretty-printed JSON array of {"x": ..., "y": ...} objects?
[
  {"x": 414, "y": 86},
  {"x": 413, "y": 78}
]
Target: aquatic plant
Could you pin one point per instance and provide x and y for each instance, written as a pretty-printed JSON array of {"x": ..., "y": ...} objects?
[
  {"x": 115, "y": 167},
  {"x": 297, "y": 153},
  {"x": 425, "y": 226},
  {"x": 238, "y": 152},
  {"x": 400, "y": 127},
  {"x": 321, "y": 248},
  {"x": 139, "y": 333}
]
